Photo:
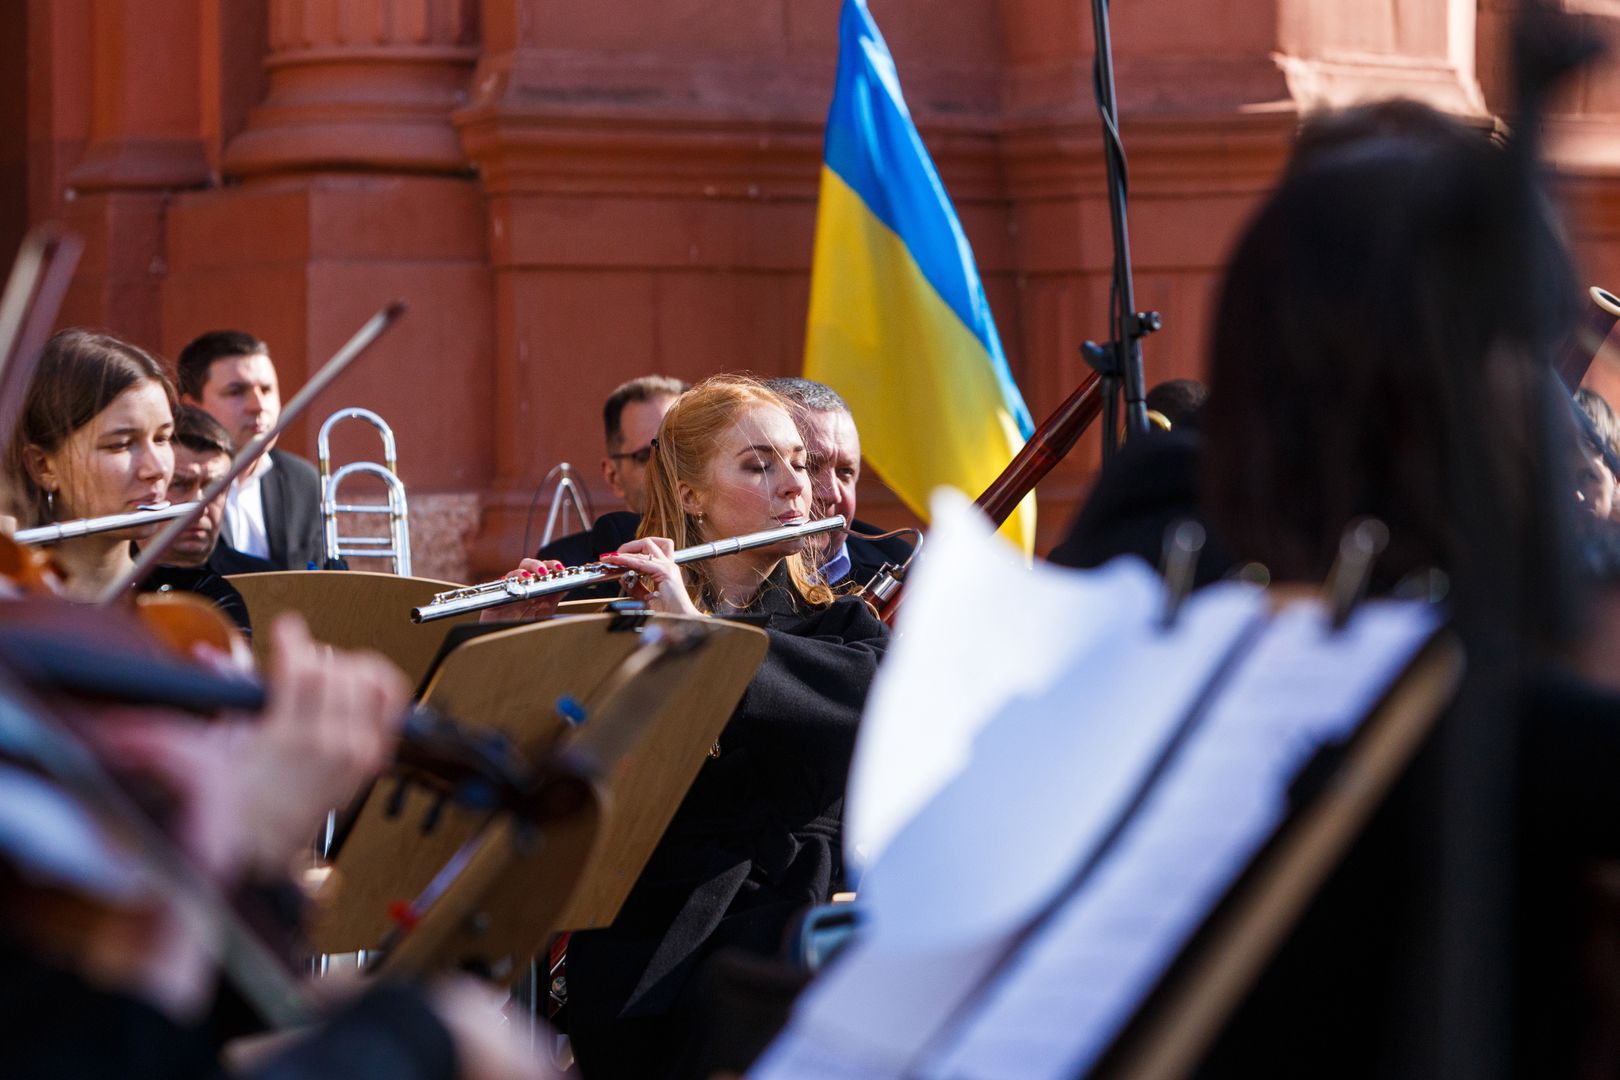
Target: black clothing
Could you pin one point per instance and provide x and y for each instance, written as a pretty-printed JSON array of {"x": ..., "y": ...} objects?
[
  {"x": 1352, "y": 991},
  {"x": 60, "y": 1027},
  {"x": 1150, "y": 485},
  {"x": 757, "y": 838},
  {"x": 866, "y": 557},
  {"x": 226, "y": 560},
  {"x": 292, "y": 513},
  {"x": 205, "y": 583},
  {"x": 389, "y": 1032},
  {"x": 607, "y": 533}
]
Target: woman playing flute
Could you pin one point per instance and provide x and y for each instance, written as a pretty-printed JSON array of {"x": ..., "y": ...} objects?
[
  {"x": 758, "y": 837},
  {"x": 96, "y": 438}
]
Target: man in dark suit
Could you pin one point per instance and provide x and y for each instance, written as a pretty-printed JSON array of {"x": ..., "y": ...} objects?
[
  {"x": 630, "y": 419},
  {"x": 833, "y": 453},
  {"x": 274, "y": 511}
]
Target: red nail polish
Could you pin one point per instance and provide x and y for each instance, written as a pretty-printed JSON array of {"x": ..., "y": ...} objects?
[{"x": 399, "y": 911}]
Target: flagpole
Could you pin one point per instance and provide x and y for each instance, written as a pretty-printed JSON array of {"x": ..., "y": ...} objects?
[{"x": 1119, "y": 361}]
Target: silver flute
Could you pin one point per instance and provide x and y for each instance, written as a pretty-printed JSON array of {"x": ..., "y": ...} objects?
[
  {"x": 69, "y": 530},
  {"x": 511, "y": 590}
]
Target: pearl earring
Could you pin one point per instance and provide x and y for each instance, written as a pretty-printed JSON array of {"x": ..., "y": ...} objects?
[{"x": 50, "y": 505}]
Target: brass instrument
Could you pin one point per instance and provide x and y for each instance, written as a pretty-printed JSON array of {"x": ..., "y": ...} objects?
[
  {"x": 397, "y": 544},
  {"x": 512, "y": 590},
  {"x": 58, "y": 531}
]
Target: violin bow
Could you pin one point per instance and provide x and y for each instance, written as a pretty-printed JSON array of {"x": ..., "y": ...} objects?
[{"x": 39, "y": 281}]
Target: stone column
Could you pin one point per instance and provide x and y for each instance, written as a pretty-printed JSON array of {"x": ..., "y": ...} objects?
[
  {"x": 144, "y": 143},
  {"x": 361, "y": 86},
  {"x": 354, "y": 192}
]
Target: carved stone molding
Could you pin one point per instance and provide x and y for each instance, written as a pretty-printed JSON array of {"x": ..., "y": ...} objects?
[{"x": 361, "y": 87}]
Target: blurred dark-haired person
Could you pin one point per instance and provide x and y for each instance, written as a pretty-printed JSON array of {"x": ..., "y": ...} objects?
[
  {"x": 630, "y": 419},
  {"x": 1376, "y": 352},
  {"x": 274, "y": 511},
  {"x": 1178, "y": 401},
  {"x": 833, "y": 454}
]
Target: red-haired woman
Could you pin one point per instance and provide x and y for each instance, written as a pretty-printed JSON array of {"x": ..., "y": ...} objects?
[{"x": 758, "y": 835}]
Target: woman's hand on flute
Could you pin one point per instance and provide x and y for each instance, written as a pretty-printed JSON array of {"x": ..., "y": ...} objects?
[
  {"x": 658, "y": 579},
  {"x": 540, "y": 607}
]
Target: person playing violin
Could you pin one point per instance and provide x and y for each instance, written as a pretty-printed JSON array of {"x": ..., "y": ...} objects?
[
  {"x": 130, "y": 995},
  {"x": 757, "y": 838}
]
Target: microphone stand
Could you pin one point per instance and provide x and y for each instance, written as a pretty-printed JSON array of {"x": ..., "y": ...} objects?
[{"x": 1119, "y": 361}]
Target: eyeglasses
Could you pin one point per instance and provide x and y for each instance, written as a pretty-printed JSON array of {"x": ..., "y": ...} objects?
[{"x": 640, "y": 457}]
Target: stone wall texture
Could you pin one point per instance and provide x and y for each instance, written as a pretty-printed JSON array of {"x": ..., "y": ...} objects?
[{"x": 569, "y": 193}]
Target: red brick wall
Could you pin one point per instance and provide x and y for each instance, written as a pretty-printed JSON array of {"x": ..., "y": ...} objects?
[{"x": 572, "y": 192}]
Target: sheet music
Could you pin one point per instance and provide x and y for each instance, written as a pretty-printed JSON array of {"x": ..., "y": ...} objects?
[
  {"x": 1067, "y": 756},
  {"x": 1080, "y": 980},
  {"x": 1065, "y": 749},
  {"x": 978, "y": 628}
]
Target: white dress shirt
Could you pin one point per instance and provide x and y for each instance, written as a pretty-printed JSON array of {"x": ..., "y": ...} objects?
[{"x": 244, "y": 513}]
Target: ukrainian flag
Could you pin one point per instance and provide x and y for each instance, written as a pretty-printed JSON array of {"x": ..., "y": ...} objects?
[{"x": 899, "y": 324}]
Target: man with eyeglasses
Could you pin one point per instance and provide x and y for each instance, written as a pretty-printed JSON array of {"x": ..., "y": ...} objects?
[{"x": 630, "y": 419}]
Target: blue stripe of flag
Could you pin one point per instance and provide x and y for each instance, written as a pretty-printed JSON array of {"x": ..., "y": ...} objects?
[{"x": 874, "y": 147}]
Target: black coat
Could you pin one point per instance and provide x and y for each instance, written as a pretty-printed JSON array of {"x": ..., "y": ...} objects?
[
  {"x": 60, "y": 1026},
  {"x": 1150, "y": 485},
  {"x": 206, "y": 584},
  {"x": 756, "y": 840},
  {"x": 292, "y": 513},
  {"x": 1355, "y": 989}
]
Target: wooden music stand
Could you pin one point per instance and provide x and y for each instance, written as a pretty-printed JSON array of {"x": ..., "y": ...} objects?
[
  {"x": 1185, "y": 1014},
  {"x": 512, "y": 680},
  {"x": 351, "y": 609}
]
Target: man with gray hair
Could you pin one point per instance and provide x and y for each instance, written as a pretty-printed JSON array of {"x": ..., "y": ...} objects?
[{"x": 833, "y": 453}]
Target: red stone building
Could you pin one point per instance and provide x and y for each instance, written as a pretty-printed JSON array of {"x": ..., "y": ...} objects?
[{"x": 571, "y": 192}]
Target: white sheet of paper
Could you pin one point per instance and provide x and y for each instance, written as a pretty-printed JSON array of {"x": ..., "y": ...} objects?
[
  {"x": 1014, "y": 723},
  {"x": 978, "y": 628},
  {"x": 1059, "y": 1007},
  {"x": 1079, "y": 744}
]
